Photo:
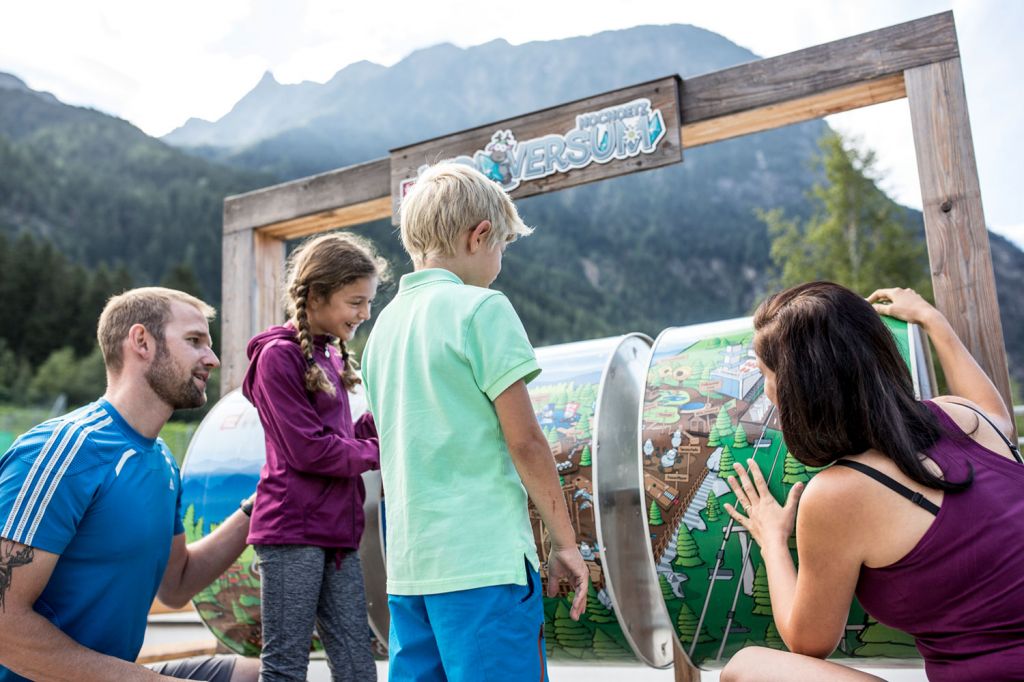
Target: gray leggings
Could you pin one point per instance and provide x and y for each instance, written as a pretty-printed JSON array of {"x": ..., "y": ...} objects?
[{"x": 302, "y": 586}]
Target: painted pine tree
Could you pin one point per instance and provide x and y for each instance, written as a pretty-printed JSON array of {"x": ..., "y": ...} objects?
[
  {"x": 606, "y": 648},
  {"x": 687, "y": 552},
  {"x": 571, "y": 635},
  {"x": 714, "y": 438},
  {"x": 686, "y": 626},
  {"x": 762, "y": 602},
  {"x": 723, "y": 423},
  {"x": 596, "y": 611},
  {"x": 793, "y": 470},
  {"x": 585, "y": 457},
  {"x": 882, "y": 641},
  {"x": 772, "y": 637},
  {"x": 726, "y": 462},
  {"x": 713, "y": 507},
  {"x": 740, "y": 438},
  {"x": 654, "y": 515},
  {"x": 666, "y": 589}
]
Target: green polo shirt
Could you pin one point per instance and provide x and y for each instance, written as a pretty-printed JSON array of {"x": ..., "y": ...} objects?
[{"x": 438, "y": 356}]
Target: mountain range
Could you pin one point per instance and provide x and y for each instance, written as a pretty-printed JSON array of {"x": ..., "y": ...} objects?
[{"x": 667, "y": 247}]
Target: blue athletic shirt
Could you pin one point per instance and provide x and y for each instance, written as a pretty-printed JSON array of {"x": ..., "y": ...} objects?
[{"x": 88, "y": 487}]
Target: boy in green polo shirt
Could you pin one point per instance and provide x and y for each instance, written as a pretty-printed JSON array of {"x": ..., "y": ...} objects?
[{"x": 446, "y": 369}]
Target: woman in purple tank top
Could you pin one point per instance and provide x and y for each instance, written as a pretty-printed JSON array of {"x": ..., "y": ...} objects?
[{"x": 922, "y": 519}]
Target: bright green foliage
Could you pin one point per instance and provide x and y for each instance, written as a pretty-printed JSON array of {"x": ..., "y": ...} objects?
[
  {"x": 666, "y": 589},
  {"x": 726, "y": 463},
  {"x": 772, "y": 637},
  {"x": 882, "y": 641},
  {"x": 240, "y": 614},
  {"x": 857, "y": 235},
  {"x": 723, "y": 423},
  {"x": 552, "y": 435},
  {"x": 607, "y": 648},
  {"x": 596, "y": 611},
  {"x": 762, "y": 601},
  {"x": 654, "y": 515},
  {"x": 714, "y": 438},
  {"x": 687, "y": 552},
  {"x": 249, "y": 600},
  {"x": 793, "y": 470},
  {"x": 686, "y": 626},
  {"x": 585, "y": 457},
  {"x": 713, "y": 507},
  {"x": 570, "y": 634},
  {"x": 740, "y": 438}
]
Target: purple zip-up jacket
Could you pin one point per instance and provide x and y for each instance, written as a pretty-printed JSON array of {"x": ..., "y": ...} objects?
[{"x": 310, "y": 490}]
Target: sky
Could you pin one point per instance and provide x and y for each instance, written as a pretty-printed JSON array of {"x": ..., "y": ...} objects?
[{"x": 159, "y": 63}]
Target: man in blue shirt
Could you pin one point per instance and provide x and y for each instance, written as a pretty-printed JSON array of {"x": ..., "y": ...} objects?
[{"x": 90, "y": 509}]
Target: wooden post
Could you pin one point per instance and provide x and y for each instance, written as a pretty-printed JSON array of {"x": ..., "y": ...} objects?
[
  {"x": 683, "y": 670},
  {"x": 958, "y": 248},
  {"x": 252, "y": 275}
]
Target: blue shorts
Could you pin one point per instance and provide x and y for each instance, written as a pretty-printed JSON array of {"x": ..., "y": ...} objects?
[{"x": 490, "y": 633}]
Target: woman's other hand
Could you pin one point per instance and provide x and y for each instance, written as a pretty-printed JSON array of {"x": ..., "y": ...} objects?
[
  {"x": 903, "y": 304},
  {"x": 768, "y": 523}
]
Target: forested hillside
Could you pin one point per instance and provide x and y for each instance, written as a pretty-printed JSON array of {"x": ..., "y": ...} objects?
[{"x": 673, "y": 246}]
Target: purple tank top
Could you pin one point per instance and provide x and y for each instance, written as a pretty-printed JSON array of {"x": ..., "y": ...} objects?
[{"x": 960, "y": 590}]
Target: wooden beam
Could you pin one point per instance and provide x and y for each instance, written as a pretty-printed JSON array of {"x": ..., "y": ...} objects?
[
  {"x": 333, "y": 219},
  {"x": 818, "y": 69},
  {"x": 808, "y": 108},
  {"x": 958, "y": 248},
  {"x": 682, "y": 669},
  {"x": 316, "y": 194},
  {"x": 251, "y": 279},
  {"x": 695, "y": 134}
]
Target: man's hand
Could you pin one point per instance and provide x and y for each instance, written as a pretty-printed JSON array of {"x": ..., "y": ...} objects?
[{"x": 567, "y": 564}]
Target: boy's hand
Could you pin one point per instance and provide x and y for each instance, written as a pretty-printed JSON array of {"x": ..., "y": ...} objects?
[{"x": 568, "y": 564}]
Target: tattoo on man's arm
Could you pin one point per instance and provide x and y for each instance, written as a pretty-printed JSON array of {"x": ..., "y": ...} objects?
[{"x": 12, "y": 555}]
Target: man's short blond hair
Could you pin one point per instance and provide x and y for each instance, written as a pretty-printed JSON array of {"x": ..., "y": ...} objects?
[
  {"x": 148, "y": 306},
  {"x": 449, "y": 198}
]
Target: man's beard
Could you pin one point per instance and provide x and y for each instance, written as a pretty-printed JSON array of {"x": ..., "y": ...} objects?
[{"x": 163, "y": 378}]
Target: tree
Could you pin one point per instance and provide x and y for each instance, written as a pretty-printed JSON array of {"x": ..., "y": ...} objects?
[
  {"x": 882, "y": 641},
  {"x": 762, "y": 600},
  {"x": 857, "y": 236},
  {"x": 596, "y": 611},
  {"x": 654, "y": 515},
  {"x": 666, "y": 588},
  {"x": 607, "y": 648},
  {"x": 585, "y": 457},
  {"x": 714, "y": 437},
  {"x": 713, "y": 508},
  {"x": 571, "y": 635},
  {"x": 725, "y": 463},
  {"x": 687, "y": 552},
  {"x": 686, "y": 626},
  {"x": 740, "y": 438},
  {"x": 772, "y": 637},
  {"x": 793, "y": 470}
]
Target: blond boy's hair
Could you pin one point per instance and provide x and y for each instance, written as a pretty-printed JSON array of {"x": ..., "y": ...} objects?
[
  {"x": 148, "y": 306},
  {"x": 449, "y": 198}
]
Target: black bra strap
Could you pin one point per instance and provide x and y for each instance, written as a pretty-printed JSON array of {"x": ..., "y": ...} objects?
[
  {"x": 917, "y": 498},
  {"x": 1013, "y": 448}
]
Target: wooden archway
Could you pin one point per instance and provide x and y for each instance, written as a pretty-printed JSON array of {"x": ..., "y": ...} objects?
[{"x": 919, "y": 60}]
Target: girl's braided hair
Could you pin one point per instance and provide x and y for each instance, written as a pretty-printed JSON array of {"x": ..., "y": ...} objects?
[{"x": 317, "y": 269}]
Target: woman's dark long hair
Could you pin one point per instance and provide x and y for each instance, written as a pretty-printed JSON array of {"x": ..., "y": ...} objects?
[{"x": 841, "y": 386}]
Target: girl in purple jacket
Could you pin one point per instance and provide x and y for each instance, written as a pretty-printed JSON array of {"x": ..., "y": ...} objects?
[{"x": 308, "y": 517}]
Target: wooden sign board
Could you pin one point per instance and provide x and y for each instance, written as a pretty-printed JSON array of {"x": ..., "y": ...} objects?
[{"x": 623, "y": 131}]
